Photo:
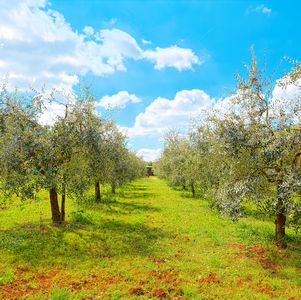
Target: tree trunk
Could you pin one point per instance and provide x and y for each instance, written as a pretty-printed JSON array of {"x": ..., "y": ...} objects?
[
  {"x": 192, "y": 188},
  {"x": 280, "y": 229},
  {"x": 97, "y": 192},
  {"x": 55, "y": 210},
  {"x": 113, "y": 185},
  {"x": 63, "y": 203},
  {"x": 280, "y": 220}
]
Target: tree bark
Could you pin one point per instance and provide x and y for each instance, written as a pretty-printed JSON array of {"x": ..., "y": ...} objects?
[
  {"x": 113, "y": 185},
  {"x": 97, "y": 192},
  {"x": 63, "y": 203},
  {"x": 280, "y": 220},
  {"x": 55, "y": 209},
  {"x": 192, "y": 188}
]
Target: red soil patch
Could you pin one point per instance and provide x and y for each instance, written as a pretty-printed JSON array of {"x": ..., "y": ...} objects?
[
  {"x": 211, "y": 278},
  {"x": 257, "y": 253},
  {"x": 167, "y": 278},
  {"x": 24, "y": 285},
  {"x": 28, "y": 284},
  {"x": 158, "y": 260},
  {"x": 160, "y": 293},
  {"x": 264, "y": 288},
  {"x": 136, "y": 291}
]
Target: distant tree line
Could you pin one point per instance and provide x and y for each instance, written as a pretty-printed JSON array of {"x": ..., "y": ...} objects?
[{"x": 245, "y": 149}]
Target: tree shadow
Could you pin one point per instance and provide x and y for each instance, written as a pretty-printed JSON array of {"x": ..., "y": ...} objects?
[
  {"x": 74, "y": 242},
  {"x": 117, "y": 204},
  {"x": 130, "y": 207}
]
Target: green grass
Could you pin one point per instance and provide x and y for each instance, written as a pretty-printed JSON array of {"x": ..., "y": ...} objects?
[{"x": 150, "y": 241}]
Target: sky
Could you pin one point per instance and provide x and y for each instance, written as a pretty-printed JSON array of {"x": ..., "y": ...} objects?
[{"x": 153, "y": 64}]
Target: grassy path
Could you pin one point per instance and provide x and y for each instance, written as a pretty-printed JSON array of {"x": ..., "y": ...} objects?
[{"x": 150, "y": 242}]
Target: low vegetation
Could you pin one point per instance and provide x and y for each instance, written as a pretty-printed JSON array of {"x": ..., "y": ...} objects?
[{"x": 148, "y": 241}]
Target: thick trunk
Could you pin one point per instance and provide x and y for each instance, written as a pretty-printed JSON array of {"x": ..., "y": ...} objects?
[
  {"x": 280, "y": 229},
  {"x": 113, "y": 185},
  {"x": 280, "y": 220},
  {"x": 192, "y": 188},
  {"x": 55, "y": 210},
  {"x": 97, "y": 192},
  {"x": 63, "y": 204}
]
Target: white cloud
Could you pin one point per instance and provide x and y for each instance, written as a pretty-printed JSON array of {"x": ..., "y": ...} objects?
[
  {"x": 52, "y": 111},
  {"x": 119, "y": 100},
  {"x": 286, "y": 100},
  {"x": 260, "y": 9},
  {"x": 149, "y": 154},
  {"x": 146, "y": 42},
  {"x": 163, "y": 113},
  {"x": 174, "y": 56},
  {"x": 88, "y": 30},
  {"x": 39, "y": 46}
]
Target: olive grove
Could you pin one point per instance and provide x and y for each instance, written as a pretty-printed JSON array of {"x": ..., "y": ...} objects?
[
  {"x": 245, "y": 149},
  {"x": 78, "y": 151}
]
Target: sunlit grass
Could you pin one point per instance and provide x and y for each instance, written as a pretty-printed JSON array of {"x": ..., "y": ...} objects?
[{"x": 149, "y": 241}]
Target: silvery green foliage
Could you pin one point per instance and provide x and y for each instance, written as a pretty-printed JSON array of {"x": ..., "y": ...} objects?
[
  {"x": 245, "y": 148},
  {"x": 69, "y": 155},
  {"x": 229, "y": 198},
  {"x": 181, "y": 163},
  {"x": 19, "y": 144},
  {"x": 256, "y": 144}
]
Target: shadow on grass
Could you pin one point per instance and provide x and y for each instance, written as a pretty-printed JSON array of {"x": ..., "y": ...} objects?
[
  {"x": 116, "y": 204},
  {"x": 126, "y": 207},
  {"x": 74, "y": 243}
]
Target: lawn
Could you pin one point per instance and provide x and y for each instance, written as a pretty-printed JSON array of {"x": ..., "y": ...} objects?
[{"x": 148, "y": 242}]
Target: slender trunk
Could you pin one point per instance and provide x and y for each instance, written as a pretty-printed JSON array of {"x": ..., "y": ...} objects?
[
  {"x": 113, "y": 185},
  {"x": 97, "y": 191},
  {"x": 280, "y": 220},
  {"x": 63, "y": 203},
  {"x": 55, "y": 210},
  {"x": 192, "y": 188}
]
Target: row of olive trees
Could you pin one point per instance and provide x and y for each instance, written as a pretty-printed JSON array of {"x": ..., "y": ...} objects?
[
  {"x": 78, "y": 151},
  {"x": 245, "y": 149}
]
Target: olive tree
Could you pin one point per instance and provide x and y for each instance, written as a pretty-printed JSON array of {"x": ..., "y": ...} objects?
[
  {"x": 256, "y": 143},
  {"x": 180, "y": 162}
]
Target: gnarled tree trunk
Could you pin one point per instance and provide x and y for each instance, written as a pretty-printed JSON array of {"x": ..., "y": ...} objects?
[
  {"x": 55, "y": 209},
  {"x": 97, "y": 192},
  {"x": 63, "y": 203},
  {"x": 280, "y": 219}
]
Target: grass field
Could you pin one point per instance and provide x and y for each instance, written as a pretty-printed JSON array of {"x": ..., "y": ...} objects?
[{"x": 149, "y": 242}]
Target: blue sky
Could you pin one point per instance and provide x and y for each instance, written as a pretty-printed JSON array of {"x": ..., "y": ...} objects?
[{"x": 154, "y": 62}]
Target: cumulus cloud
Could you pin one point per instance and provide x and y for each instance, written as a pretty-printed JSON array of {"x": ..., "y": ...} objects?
[
  {"x": 163, "y": 113},
  {"x": 260, "y": 9},
  {"x": 38, "y": 46},
  {"x": 286, "y": 99},
  {"x": 119, "y": 100},
  {"x": 149, "y": 154},
  {"x": 174, "y": 56},
  {"x": 88, "y": 30},
  {"x": 51, "y": 112}
]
